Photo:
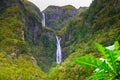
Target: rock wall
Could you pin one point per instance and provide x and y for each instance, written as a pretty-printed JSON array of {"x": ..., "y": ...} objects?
[{"x": 57, "y": 17}]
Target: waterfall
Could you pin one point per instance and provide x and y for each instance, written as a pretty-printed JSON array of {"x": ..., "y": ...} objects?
[
  {"x": 43, "y": 19},
  {"x": 58, "y": 52}
]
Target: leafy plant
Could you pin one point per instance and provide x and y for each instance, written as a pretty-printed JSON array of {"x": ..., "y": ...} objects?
[{"x": 106, "y": 68}]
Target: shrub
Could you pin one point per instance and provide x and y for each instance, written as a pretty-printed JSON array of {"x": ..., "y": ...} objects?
[{"x": 106, "y": 68}]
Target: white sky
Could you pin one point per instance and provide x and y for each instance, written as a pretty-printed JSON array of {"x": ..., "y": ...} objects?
[{"x": 42, "y": 4}]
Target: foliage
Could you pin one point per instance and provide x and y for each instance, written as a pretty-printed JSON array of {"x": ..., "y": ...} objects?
[
  {"x": 102, "y": 15},
  {"x": 69, "y": 7},
  {"x": 57, "y": 19},
  {"x": 31, "y": 10},
  {"x": 69, "y": 71},
  {"x": 11, "y": 32},
  {"x": 105, "y": 68},
  {"x": 101, "y": 24},
  {"x": 19, "y": 68},
  {"x": 53, "y": 73},
  {"x": 1, "y": 37},
  {"x": 15, "y": 60},
  {"x": 47, "y": 29},
  {"x": 88, "y": 60},
  {"x": 47, "y": 52}
]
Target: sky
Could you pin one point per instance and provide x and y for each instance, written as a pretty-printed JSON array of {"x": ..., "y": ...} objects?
[{"x": 42, "y": 4}]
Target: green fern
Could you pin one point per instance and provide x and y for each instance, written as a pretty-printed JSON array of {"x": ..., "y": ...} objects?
[
  {"x": 88, "y": 60},
  {"x": 106, "y": 69}
]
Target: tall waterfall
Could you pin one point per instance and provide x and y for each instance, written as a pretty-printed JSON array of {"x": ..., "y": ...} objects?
[
  {"x": 58, "y": 52},
  {"x": 43, "y": 19}
]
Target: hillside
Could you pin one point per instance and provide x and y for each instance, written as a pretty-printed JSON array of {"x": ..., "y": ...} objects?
[
  {"x": 100, "y": 23},
  {"x": 57, "y": 17},
  {"x": 40, "y": 40},
  {"x": 28, "y": 49},
  {"x": 16, "y": 62}
]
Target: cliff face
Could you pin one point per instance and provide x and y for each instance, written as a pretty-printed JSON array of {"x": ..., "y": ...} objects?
[
  {"x": 21, "y": 32},
  {"x": 22, "y": 37},
  {"x": 41, "y": 40},
  {"x": 56, "y": 16},
  {"x": 101, "y": 24},
  {"x": 98, "y": 17},
  {"x": 15, "y": 57},
  {"x": 68, "y": 30},
  {"x": 9, "y": 32},
  {"x": 29, "y": 14},
  {"x": 32, "y": 21}
]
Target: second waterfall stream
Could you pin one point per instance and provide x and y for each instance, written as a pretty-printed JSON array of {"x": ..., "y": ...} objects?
[
  {"x": 58, "y": 52},
  {"x": 43, "y": 19}
]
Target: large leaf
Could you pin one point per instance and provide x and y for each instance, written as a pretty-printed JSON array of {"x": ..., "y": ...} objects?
[
  {"x": 88, "y": 60},
  {"x": 109, "y": 55},
  {"x": 116, "y": 50},
  {"x": 112, "y": 55},
  {"x": 104, "y": 67},
  {"x": 108, "y": 68},
  {"x": 100, "y": 48},
  {"x": 116, "y": 45},
  {"x": 101, "y": 76}
]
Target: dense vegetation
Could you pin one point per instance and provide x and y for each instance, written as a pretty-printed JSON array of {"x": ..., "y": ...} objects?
[
  {"x": 106, "y": 67},
  {"x": 19, "y": 68},
  {"x": 25, "y": 44},
  {"x": 100, "y": 23},
  {"x": 15, "y": 59},
  {"x": 57, "y": 17}
]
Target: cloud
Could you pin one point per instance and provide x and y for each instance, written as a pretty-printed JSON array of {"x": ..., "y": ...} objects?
[{"x": 42, "y": 4}]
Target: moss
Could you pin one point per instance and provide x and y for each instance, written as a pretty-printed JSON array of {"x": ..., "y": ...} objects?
[
  {"x": 48, "y": 29},
  {"x": 100, "y": 24},
  {"x": 45, "y": 53},
  {"x": 59, "y": 20},
  {"x": 14, "y": 65},
  {"x": 32, "y": 10},
  {"x": 68, "y": 7},
  {"x": 11, "y": 31},
  {"x": 19, "y": 68}
]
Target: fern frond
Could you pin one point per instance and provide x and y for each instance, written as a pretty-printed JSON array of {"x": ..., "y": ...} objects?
[{"x": 88, "y": 60}]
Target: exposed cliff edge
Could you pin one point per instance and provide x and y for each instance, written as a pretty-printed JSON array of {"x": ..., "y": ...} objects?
[{"x": 57, "y": 17}]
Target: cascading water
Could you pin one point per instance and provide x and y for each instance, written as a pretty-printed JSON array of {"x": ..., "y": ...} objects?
[
  {"x": 58, "y": 52},
  {"x": 43, "y": 19}
]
